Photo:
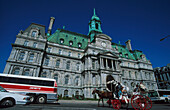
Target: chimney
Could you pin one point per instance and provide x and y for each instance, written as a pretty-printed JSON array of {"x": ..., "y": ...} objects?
[
  {"x": 128, "y": 45},
  {"x": 51, "y": 24}
]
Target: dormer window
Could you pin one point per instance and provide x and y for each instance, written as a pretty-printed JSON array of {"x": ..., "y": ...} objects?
[
  {"x": 26, "y": 43},
  {"x": 34, "y": 33},
  {"x": 61, "y": 41},
  {"x": 120, "y": 54},
  {"x": 79, "y": 45},
  {"x": 126, "y": 55},
  {"x": 70, "y": 43}
]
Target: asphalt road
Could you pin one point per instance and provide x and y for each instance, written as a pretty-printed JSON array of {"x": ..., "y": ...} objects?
[{"x": 77, "y": 105}]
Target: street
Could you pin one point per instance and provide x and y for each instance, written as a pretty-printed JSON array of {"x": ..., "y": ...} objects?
[{"x": 77, "y": 105}]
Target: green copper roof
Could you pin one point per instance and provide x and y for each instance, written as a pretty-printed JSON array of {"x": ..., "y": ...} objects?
[
  {"x": 95, "y": 16},
  {"x": 67, "y": 37}
]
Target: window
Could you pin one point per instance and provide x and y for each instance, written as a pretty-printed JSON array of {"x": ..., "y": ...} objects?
[
  {"x": 68, "y": 65},
  {"x": 79, "y": 45},
  {"x": 79, "y": 55},
  {"x": 136, "y": 75},
  {"x": 60, "y": 52},
  {"x": 120, "y": 54},
  {"x": 66, "y": 93},
  {"x": 77, "y": 81},
  {"x": 66, "y": 79},
  {"x": 93, "y": 52},
  {"x": 66, "y": 35},
  {"x": 78, "y": 66},
  {"x": 44, "y": 75},
  {"x": 129, "y": 74},
  {"x": 96, "y": 25},
  {"x": 26, "y": 72},
  {"x": 49, "y": 49},
  {"x": 26, "y": 43},
  {"x": 34, "y": 33},
  {"x": 46, "y": 61},
  {"x": 128, "y": 64},
  {"x": 123, "y": 72},
  {"x": 61, "y": 41},
  {"x": 126, "y": 55},
  {"x": 21, "y": 56},
  {"x": 77, "y": 93},
  {"x": 69, "y": 54},
  {"x": 93, "y": 64},
  {"x": 145, "y": 75},
  {"x": 35, "y": 44},
  {"x": 56, "y": 77},
  {"x": 31, "y": 58},
  {"x": 58, "y": 63},
  {"x": 70, "y": 43},
  {"x": 16, "y": 71}
]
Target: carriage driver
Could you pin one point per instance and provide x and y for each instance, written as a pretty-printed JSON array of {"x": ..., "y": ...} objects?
[{"x": 119, "y": 88}]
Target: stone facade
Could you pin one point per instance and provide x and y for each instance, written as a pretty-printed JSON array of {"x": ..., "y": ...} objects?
[{"x": 78, "y": 62}]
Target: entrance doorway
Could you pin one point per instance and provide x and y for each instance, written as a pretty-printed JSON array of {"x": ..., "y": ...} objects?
[{"x": 110, "y": 86}]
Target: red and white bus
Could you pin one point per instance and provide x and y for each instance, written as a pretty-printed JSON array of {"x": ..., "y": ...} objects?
[{"x": 42, "y": 90}]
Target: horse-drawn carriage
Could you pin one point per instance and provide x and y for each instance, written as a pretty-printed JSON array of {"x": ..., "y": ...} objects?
[{"x": 121, "y": 99}]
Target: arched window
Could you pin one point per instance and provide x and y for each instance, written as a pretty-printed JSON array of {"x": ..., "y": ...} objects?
[
  {"x": 16, "y": 71},
  {"x": 58, "y": 63},
  {"x": 31, "y": 57},
  {"x": 56, "y": 77},
  {"x": 21, "y": 56},
  {"x": 66, "y": 93},
  {"x": 44, "y": 75},
  {"x": 96, "y": 25},
  {"x": 77, "y": 81},
  {"x": 78, "y": 66},
  {"x": 68, "y": 65},
  {"x": 34, "y": 33},
  {"x": 46, "y": 61},
  {"x": 26, "y": 72},
  {"x": 66, "y": 79},
  {"x": 77, "y": 93}
]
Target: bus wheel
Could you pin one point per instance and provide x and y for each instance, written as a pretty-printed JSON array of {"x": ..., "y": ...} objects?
[
  {"x": 32, "y": 98},
  {"x": 41, "y": 99}
]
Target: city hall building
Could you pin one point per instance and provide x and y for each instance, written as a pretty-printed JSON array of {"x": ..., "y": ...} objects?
[{"x": 79, "y": 63}]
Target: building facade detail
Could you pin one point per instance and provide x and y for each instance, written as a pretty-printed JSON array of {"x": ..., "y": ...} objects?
[{"x": 78, "y": 62}]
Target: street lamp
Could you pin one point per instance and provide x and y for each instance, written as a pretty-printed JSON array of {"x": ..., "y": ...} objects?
[{"x": 164, "y": 38}]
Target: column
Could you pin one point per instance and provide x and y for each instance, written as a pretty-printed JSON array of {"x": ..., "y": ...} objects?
[
  {"x": 11, "y": 69},
  {"x": 106, "y": 64},
  {"x": 100, "y": 62},
  {"x": 112, "y": 65},
  {"x": 16, "y": 54},
  {"x": 168, "y": 76}
]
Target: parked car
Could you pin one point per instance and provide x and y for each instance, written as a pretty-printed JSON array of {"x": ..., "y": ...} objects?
[{"x": 9, "y": 99}]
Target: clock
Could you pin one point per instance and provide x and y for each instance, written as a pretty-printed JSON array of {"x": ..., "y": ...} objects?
[{"x": 103, "y": 44}]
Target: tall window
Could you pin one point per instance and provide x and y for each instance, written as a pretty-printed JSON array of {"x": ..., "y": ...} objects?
[
  {"x": 59, "y": 51},
  {"x": 77, "y": 81},
  {"x": 123, "y": 72},
  {"x": 26, "y": 72},
  {"x": 44, "y": 75},
  {"x": 68, "y": 65},
  {"x": 16, "y": 71},
  {"x": 35, "y": 44},
  {"x": 96, "y": 25},
  {"x": 34, "y": 33},
  {"x": 56, "y": 77},
  {"x": 129, "y": 74},
  {"x": 136, "y": 75},
  {"x": 66, "y": 79},
  {"x": 26, "y": 43},
  {"x": 31, "y": 58},
  {"x": 93, "y": 64},
  {"x": 46, "y": 61},
  {"x": 69, "y": 54},
  {"x": 49, "y": 49},
  {"x": 21, "y": 56},
  {"x": 58, "y": 63},
  {"x": 146, "y": 75},
  {"x": 78, "y": 66}
]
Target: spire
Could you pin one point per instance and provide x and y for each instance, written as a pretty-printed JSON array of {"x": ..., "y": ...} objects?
[{"x": 94, "y": 12}]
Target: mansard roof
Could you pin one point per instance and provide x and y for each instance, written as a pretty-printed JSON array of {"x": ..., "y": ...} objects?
[{"x": 69, "y": 36}]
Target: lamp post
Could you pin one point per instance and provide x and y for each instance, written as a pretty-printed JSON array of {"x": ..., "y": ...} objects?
[{"x": 164, "y": 38}]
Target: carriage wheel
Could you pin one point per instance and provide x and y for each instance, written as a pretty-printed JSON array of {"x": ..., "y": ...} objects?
[
  {"x": 138, "y": 102},
  {"x": 148, "y": 103},
  {"x": 116, "y": 104}
]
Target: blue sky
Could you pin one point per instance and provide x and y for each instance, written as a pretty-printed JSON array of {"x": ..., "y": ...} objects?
[{"x": 144, "y": 22}]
